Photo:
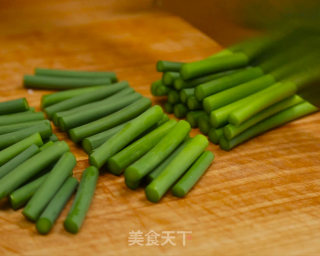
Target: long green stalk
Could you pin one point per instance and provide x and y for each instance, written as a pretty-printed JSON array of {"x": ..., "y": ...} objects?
[
  {"x": 127, "y": 134},
  {"x": 121, "y": 160},
  {"x": 157, "y": 154},
  {"x": 75, "y": 73},
  {"x": 19, "y": 126},
  {"x": 15, "y": 149},
  {"x": 159, "y": 186},
  {"x": 231, "y": 130},
  {"x": 274, "y": 121},
  {"x": 86, "y": 98},
  {"x": 159, "y": 169},
  {"x": 180, "y": 84},
  {"x": 82, "y": 201},
  {"x": 53, "y": 98},
  {"x": 264, "y": 99},
  {"x": 212, "y": 65},
  {"x": 8, "y": 139},
  {"x": 219, "y": 117},
  {"x": 31, "y": 167},
  {"x": 61, "y": 83},
  {"x": 98, "y": 111},
  {"x": 22, "y": 117},
  {"x": 13, "y": 106},
  {"x": 22, "y": 195},
  {"x": 57, "y": 176},
  {"x": 191, "y": 177},
  {"x": 244, "y": 75},
  {"x": 76, "y": 110},
  {"x": 51, "y": 213},
  {"x": 231, "y": 95},
  {"x": 17, "y": 160},
  {"x": 79, "y": 133},
  {"x": 91, "y": 143}
]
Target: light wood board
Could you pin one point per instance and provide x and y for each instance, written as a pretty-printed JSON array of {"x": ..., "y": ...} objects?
[{"x": 263, "y": 198}]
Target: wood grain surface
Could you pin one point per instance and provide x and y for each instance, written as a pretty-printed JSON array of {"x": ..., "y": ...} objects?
[{"x": 263, "y": 198}]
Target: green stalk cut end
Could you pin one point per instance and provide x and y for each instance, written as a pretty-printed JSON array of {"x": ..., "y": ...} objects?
[
  {"x": 43, "y": 226},
  {"x": 179, "y": 191},
  {"x": 193, "y": 103},
  {"x": 132, "y": 174},
  {"x": 180, "y": 111},
  {"x": 71, "y": 226},
  {"x": 113, "y": 167},
  {"x": 152, "y": 194},
  {"x": 25, "y": 103},
  {"x": 132, "y": 184},
  {"x": 199, "y": 93},
  {"x": 173, "y": 97},
  {"x": 87, "y": 147},
  {"x": 178, "y": 84},
  {"x": 73, "y": 136},
  {"x": 227, "y": 132},
  {"x": 215, "y": 135},
  {"x": 93, "y": 161},
  {"x": 168, "y": 107},
  {"x": 224, "y": 144}
]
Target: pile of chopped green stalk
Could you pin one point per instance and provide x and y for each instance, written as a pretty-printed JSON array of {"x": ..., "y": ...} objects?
[
  {"x": 123, "y": 133},
  {"x": 36, "y": 169},
  {"x": 243, "y": 91}
]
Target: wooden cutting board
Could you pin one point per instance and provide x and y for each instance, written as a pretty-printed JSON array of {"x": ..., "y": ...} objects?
[{"x": 263, "y": 198}]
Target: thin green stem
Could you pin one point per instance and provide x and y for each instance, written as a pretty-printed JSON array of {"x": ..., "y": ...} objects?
[
  {"x": 127, "y": 134},
  {"x": 231, "y": 130},
  {"x": 264, "y": 99},
  {"x": 159, "y": 186},
  {"x": 82, "y": 201},
  {"x": 61, "y": 83},
  {"x": 75, "y": 73},
  {"x": 274, "y": 121},
  {"x": 192, "y": 176}
]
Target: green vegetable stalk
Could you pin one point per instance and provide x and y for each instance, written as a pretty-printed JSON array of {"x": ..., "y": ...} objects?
[
  {"x": 53, "y": 98},
  {"x": 158, "y": 153},
  {"x": 61, "y": 83},
  {"x": 191, "y": 177},
  {"x": 86, "y": 98},
  {"x": 31, "y": 167},
  {"x": 75, "y": 74},
  {"x": 14, "y": 106},
  {"x": 82, "y": 201},
  {"x": 127, "y": 134},
  {"x": 22, "y": 195},
  {"x": 128, "y": 155},
  {"x": 57, "y": 176},
  {"x": 17, "y": 148},
  {"x": 18, "y": 159},
  {"x": 274, "y": 121},
  {"x": 159, "y": 186},
  {"x": 52, "y": 211},
  {"x": 79, "y": 133}
]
